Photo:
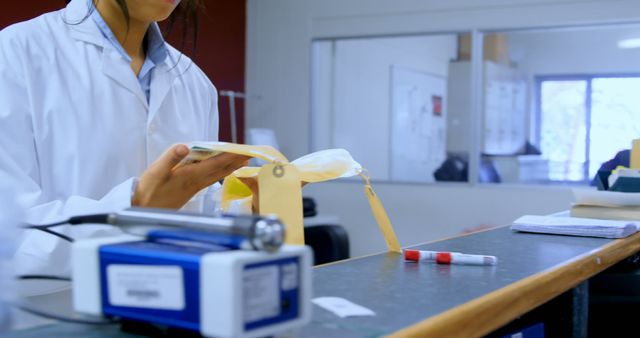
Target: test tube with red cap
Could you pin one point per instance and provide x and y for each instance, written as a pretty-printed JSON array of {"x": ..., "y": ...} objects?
[{"x": 444, "y": 257}]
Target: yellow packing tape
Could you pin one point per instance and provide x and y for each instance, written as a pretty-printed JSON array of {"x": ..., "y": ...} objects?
[
  {"x": 635, "y": 154},
  {"x": 279, "y": 183},
  {"x": 381, "y": 217}
]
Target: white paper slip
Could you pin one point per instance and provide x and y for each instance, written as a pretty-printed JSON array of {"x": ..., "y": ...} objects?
[
  {"x": 149, "y": 287},
  {"x": 342, "y": 307},
  {"x": 575, "y": 226}
]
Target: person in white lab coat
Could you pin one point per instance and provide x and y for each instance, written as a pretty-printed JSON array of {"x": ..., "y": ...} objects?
[
  {"x": 93, "y": 106},
  {"x": 9, "y": 216}
]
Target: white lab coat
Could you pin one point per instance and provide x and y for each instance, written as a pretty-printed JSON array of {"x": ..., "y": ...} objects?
[{"x": 76, "y": 127}]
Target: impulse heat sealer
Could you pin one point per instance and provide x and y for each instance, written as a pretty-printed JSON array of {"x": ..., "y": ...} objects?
[{"x": 221, "y": 276}]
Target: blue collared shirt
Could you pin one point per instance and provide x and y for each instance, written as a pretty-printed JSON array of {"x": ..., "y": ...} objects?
[{"x": 156, "y": 49}]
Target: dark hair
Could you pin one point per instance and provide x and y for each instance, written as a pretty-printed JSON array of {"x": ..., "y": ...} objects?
[{"x": 185, "y": 16}]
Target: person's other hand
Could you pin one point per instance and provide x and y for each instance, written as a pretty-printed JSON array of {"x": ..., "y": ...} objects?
[{"x": 164, "y": 186}]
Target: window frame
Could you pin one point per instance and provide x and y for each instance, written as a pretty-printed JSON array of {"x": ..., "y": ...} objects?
[{"x": 539, "y": 79}]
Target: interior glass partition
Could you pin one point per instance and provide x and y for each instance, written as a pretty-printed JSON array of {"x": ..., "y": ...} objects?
[
  {"x": 558, "y": 103},
  {"x": 544, "y": 106},
  {"x": 389, "y": 101}
]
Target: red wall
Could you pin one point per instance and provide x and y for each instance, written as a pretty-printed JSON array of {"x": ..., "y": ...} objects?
[{"x": 220, "y": 50}]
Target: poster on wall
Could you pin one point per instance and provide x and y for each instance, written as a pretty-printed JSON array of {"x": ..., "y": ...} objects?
[
  {"x": 418, "y": 122},
  {"x": 505, "y": 111}
]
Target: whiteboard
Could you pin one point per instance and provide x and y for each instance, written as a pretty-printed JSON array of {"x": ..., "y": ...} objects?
[{"x": 418, "y": 124}]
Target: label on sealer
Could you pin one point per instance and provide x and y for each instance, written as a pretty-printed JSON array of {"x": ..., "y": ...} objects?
[
  {"x": 153, "y": 287},
  {"x": 261, "y": 293},
  {"x": 289, "y": 276}
]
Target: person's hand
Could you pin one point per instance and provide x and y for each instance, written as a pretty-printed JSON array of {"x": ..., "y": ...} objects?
[
  {"x": 162, "y": 186},
  {"x": 252, "y": 183}
]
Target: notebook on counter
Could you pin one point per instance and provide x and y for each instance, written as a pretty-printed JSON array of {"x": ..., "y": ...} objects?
[
  {"x": 606, "y": 198},
  {"x": 602, "y": 212},
  {"x": 575, "y": 226},
  {"x": 606, "y": 205}
]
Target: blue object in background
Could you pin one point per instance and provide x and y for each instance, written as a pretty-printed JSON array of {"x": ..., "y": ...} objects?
[{"x": 622, "y": 158}]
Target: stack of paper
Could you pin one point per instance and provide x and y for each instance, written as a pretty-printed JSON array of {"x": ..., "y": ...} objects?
[
  {"x": 600, "y": 212},
  {"x": 606, "y": 198},
  {"x": 575, "y": 226},
  {"x": 606, "y": 205}
]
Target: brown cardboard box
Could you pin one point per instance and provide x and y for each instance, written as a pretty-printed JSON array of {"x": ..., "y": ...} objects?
[{"x": 495, "y": 48}]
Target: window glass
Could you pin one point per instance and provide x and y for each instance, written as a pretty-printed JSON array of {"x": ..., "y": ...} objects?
[
  {"x": 399, "y": 105},
  {"x": 563, "y": 128},
  {"x": 555, "y": 104},
  {"x": 558, "y": 103},
  {"x": 615, "y": 118}
]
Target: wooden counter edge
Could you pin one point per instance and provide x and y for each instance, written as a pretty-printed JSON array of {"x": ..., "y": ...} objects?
[{"x": 483, "y": 315}]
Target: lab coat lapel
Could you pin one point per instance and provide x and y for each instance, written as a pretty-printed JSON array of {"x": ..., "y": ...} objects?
[
  {"x": 77, "y": 18},
  {"x": 117, "y": 68},
  {"x": 161, "y": 82},
  {"x": 82, "y": 27}
]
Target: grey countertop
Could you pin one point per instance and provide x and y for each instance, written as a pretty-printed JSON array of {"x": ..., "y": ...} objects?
[{"x": 405, "y": 293}]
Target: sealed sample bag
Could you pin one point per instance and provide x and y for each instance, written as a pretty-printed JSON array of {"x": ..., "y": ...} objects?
[{"x": 280, "y": 182}]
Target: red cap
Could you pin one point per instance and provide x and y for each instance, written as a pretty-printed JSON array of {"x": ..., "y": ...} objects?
[
  {"x": 412, "y": 255},
  {"x": 443, "y": 258}
]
